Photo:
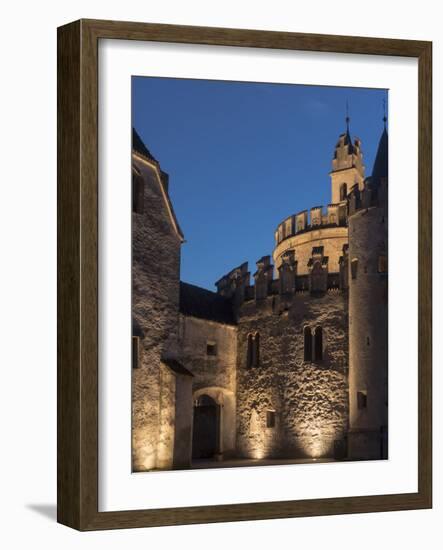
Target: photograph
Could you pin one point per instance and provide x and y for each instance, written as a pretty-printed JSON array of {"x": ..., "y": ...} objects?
[{"x": 259, "y": 274}]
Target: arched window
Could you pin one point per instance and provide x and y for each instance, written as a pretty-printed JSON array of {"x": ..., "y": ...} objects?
[
  {"x": 308, "y": 343},
  {"x": 318, "y": 338},
  {"x": 343, "y": 191},
  {"x": 253, "y": 350},
  {"x": 137, "y": 193}
]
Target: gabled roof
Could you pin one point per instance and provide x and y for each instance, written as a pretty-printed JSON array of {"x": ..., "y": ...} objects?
[
  {"x": 205, "y": 304},
  {"x": 140, "y": 148},
  {"x": 176, "y": 367}
]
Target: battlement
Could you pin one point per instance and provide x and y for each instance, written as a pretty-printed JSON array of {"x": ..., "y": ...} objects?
[
  {"x": 372, "y": 195},
  {"x": 236, "y": 284},
  {"x": 335, "y": 215}
]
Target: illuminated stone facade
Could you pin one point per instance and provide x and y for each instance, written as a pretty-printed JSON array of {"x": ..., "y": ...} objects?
[{"x": 272, "y": 368}]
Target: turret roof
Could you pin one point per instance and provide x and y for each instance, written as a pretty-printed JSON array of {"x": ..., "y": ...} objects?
[{"x": 380, "y": 169}]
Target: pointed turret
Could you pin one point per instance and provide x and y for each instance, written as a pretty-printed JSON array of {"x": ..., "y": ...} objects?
[{"x": 380, "y": 169}]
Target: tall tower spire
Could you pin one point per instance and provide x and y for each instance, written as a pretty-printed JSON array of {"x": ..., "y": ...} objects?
[
  {"x": 380, "y": 168},
  {"x": 347, "y": 165},
  {"x": 347, "y": 119}
]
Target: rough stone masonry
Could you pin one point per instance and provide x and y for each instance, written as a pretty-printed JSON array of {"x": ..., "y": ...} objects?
[{"x": 292, "y": 364}]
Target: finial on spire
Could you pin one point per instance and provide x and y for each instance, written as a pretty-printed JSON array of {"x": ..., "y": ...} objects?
[
  {"x": 384, "y": 113},
  {"x": 347, "y": 116}
]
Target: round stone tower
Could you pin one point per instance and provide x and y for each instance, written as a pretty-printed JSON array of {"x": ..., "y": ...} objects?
[
  {"x": 368, "y": 312},
  {"x": 322, "y": 228}
]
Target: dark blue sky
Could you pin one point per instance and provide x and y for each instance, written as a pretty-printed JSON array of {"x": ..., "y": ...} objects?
[{"x": 243, "y": 156}]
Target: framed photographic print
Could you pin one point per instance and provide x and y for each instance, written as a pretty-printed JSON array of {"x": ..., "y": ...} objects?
[{"x": 244, "y": 280}]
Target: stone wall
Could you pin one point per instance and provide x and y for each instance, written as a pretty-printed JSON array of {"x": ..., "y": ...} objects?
[
  {"x": 368, "y": 332},
  {"x": 310, "y": 400},
  {"x": 155, "y": 298},
  {"x": 213, "y": 375}
]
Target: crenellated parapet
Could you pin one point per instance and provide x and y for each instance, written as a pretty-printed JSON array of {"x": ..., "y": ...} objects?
[
  {"x": 233, "y": 284},
  {"x": 373, "y": 194},
  {"x": 318, "y": 270},
  {"x": 263, "y": 277},
  {"x": 287, "y": 273},
  {"x": 317, "y": 281},
  {"x": 318, "y": 217}
]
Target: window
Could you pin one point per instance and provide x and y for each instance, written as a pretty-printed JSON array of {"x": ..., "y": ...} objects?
[
  {"x": 211, "y": 349},
  {"x": 308, "y": 343},
  {"x": 256, "y": 351},
  {"x": 343, "y": 191},
  {"x": 382, "y": 264},
  {"x": 318, "y": 337},
  {"x": 135, "y": 352},
  {"x": 249, "y": 352},
  {"x": 362, "y": 400},
  {"x": 354, "y": 267},
  {"x": 137, "y": 194},
  {"x": 270, "y": 419},
  {"x": 253, "y": 350}
]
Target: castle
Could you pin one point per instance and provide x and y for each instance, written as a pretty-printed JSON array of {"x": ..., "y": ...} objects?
[{"x": 292, "y": 365}]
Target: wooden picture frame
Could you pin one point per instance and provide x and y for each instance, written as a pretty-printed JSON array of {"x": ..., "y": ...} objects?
[{"x": 78, "y": 274}]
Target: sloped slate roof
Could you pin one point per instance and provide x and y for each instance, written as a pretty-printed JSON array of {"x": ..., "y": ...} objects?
[
  {"x": 204, "y": 304},
  {"x": 177, "y": 367},
  {"x": 380, "y": 169},
  {"x": 139, "y": 146}
]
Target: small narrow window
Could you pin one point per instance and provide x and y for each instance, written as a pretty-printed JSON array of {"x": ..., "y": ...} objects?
[
  {"x": 308, "y": 344},
  {"x": 270, "y": 419},
  {"x": 343, "y": 192},
  {"x": 256, "y": 351},
  {"x": 382, "y": 264},
  {"x": 318, "y": 337},
  {"x": 249, "y": 351},
  {"x": 362, "y": 400},
  {"x": 354, "y": 268},
  {"x": 137, "y": 194},
  {"x": 253, "y": 351},
  {"x": 368, "y": 342},
  {"x": 211, "y": 349},
  {"x": 135, "y": 352}
]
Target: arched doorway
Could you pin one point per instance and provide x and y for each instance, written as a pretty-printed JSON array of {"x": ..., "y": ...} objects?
[{"x": 205, "y": 435}]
